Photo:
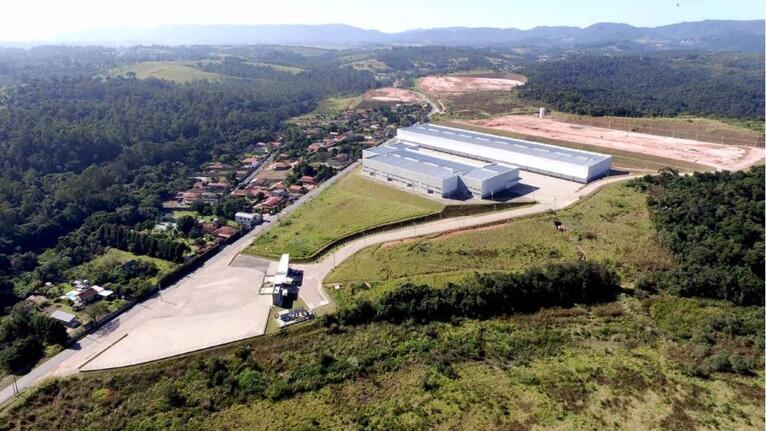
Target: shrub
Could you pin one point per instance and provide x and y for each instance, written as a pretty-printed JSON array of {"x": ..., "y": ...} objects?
[{"x": 562, "y": 284}]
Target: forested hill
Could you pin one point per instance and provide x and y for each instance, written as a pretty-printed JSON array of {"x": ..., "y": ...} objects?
[
  {"x": 707, "y": 85},
  {"x": 714, "y": 35}
]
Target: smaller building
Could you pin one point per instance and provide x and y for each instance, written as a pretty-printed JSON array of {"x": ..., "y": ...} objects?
[
  {"x": 283, "y": 292},
  {"x": 247, "y": 220},
  {"x": 225, "y": 232},
  {"x": 82, "y": 296},
  {"x": 69, "y": 320}
]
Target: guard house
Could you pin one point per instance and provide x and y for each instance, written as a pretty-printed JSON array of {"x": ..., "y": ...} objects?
[{"x": 283, "y": 283}]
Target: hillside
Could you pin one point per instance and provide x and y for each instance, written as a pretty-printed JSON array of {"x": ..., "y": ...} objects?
[
  {"x": 504, "y": 351},
  {"x": 621, "y": 365},
  {"x": 716, "y": 35}
]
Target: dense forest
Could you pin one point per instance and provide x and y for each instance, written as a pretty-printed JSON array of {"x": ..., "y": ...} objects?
[
  {"x": 721, "y": 85},
  {"x": 714, "y": 224}
]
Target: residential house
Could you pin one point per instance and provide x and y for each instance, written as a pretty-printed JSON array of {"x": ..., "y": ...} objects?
[
  {"x": 308, "y": 180},
  {"x": 69, "y": 320},
  {"x": 225, "y": 232},
  {"x": 247, "y": 220}
]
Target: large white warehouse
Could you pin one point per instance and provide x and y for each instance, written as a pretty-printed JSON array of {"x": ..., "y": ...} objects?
[
  {"x": 429, "y": 172},
  {"x": 570, "y": 164}
]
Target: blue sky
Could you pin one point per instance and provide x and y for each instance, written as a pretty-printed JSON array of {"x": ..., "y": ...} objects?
[{"x": 40, "y": 19}]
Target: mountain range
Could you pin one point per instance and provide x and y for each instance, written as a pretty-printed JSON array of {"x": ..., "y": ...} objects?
[{"x": 717, "y": 35}]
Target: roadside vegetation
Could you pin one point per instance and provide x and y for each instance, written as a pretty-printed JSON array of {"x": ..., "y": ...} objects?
[{"x": 352, "y": 204}]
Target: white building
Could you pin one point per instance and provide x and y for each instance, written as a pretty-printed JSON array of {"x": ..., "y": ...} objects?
[
  {"x": 431, "y": 172},
  {"x": 247, "y": 220},
  {"x": 567, "y": 163}
]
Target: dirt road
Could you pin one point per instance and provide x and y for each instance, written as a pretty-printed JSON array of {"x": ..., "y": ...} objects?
[{"x": 718, "y": 156}]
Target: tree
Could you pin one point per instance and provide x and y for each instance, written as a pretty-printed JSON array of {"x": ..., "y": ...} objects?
[
  {"x": 186, "y": 224},
  {"x": 96, "y": 310}
]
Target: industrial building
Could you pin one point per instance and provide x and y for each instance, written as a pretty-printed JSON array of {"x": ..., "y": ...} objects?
[
  {"x": 431, "y": 172},
  {"x": 560, "y": 162}
]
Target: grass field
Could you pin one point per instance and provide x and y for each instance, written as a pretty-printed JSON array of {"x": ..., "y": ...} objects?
[
  {"x": 329, "y": 107},
  {"x": 369, "y": 64},
  {"x": 700, "y": 129},
  {"x": 176, "y": 71},
  {"x": 612, "y": 226},
  {"x": 352, "y": 204},
  {"x": 278, "y": 67},
  {"x": 612, "y": 366},
  {"x": 621, "y": 159}
]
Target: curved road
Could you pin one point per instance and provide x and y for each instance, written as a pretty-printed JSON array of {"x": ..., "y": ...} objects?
[{"x": 549, "y": 193}]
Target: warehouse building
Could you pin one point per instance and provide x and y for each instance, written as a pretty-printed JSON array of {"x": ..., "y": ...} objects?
[
  {"x": 431, "y": 172},
  {"x": 560, "y": 162}
]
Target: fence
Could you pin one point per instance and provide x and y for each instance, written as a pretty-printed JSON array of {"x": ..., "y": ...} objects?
[
  {"x": 448, "y": 211},
  {"x": 691, "y": 132}
]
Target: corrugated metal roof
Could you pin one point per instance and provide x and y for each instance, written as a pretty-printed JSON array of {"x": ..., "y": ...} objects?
[
  {"x": 407, "y": 157},
  {"x": 568, "y": 155}
]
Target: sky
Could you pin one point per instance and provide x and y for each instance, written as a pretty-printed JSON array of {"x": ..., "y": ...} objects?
[{"x": 36, "y": 20}]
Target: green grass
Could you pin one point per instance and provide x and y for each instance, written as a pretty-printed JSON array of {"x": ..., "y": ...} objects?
[
  {"x": 612, "y": 226},
  {"x": 175, "y": 71},
  {"x": 278, "y": 67},
  {"x": 369, "y": 64},
  {"x": 352, "y": 204},
  {"x": 114, "y": 257},
  {"x": 329, "y": 107},
  {"x": 600, "y": 367}
]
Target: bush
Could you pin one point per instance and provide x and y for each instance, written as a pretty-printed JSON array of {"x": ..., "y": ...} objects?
[{"x": 563, "y": 285}]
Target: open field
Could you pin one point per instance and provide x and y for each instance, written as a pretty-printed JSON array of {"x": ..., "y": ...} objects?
[
  {"x": 694, "y": 128},
  {"x": 278, "y": 67},
  {"x": 369, "y": 64},
  {"x": 328, "y": 108},
  {"x": 612, "y": 366},
  {"x": 611, "y": 226},
  {"x": 684, "y": 150},
  {"x": 622, "y": 159},
  {"x": 437, "y": 84},
  {"x": 176, "y": 71},
  {"x": 391, "y": 94},
  {"x": 352, "y": 204}
]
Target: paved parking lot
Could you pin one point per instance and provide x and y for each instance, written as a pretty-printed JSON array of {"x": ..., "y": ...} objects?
[{"x": 217, "y": 304}]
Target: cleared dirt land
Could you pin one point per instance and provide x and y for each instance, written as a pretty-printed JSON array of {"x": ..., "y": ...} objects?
[
  {"x": 466, "y": 83},
  {"x": 715, "y": 155},
  {"x": 391, "y": 94},
  {"x": 694, "y": 128}
]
